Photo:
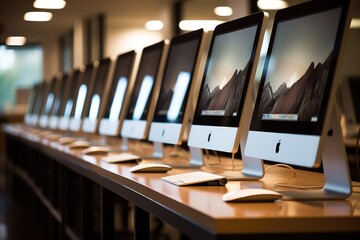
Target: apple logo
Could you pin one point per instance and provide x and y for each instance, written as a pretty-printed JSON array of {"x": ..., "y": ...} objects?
[
  {"x": 163, "y": 132},
  {"x": 277, "y": 148},
  {"x": 209, "y": 137}
]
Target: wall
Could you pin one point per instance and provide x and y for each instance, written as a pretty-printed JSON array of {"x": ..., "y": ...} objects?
[{"x": 51, "y": 57}]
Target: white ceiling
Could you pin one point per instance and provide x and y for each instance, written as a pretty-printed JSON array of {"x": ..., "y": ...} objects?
[
  {"x": 12, "y": 11},
  {"x": 124, "y": 11}
]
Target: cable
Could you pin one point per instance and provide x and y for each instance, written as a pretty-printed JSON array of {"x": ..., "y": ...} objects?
[
  {"x": 219, "y": 162},
  {"x": 177, "y": 152},
  {"x": 282, "y": 165},
  {"x": 287, "y": 184}
]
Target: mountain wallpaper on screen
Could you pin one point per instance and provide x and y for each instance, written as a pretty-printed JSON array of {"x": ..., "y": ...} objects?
[
  {"x": 227, "y": 98},
  {"x": 302, "y": 98}
]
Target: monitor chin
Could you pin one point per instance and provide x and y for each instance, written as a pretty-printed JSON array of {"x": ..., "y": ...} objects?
[
  {"x": 285, "y": 148},
  {"x": 214, "y": 137}
]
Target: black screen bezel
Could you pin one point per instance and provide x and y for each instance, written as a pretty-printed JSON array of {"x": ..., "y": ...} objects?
[{"x": 297, "y": 11}]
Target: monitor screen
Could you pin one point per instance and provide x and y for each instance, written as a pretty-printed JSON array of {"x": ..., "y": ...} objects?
[
  {"x": 43, "y": 88},
  {"x": 225, "y": 84},
  {"x": 117, "y": 98},
  {"x": 60, "y": 97},
  {"x": 82, "y": 92},
  {"x": 139, "y": 109},
  {"x": 61, "y": 93},
  {"x": 119, "y": 85},
  {"x": 35, "y": 91},
  {"x": 145, "y": 79},
  {"x": 32, "y": 98},
  {"x": 50, "y": 97},
  {"x": 66, "y": 108},
  {"x": 97, "y": 91},
  {"x": 297, "y": 89},
  {"x": 177, "y": 78}
]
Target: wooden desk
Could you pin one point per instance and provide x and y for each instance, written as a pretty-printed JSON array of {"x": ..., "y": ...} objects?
[{"x": 199, "y": 212}]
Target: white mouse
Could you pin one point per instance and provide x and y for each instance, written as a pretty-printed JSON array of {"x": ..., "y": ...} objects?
[
  {"x": 79, "y": 144},
  {"x": 150, "y": 168},
  {"x": 66, "y": 140},
  {"x": 95, "y": 150},
  {"x": 44, "y": 134},
  {"x": 251, "y": 195},
  {"x": 53, "y": 137},
  {"x": 122, "y": 157}
]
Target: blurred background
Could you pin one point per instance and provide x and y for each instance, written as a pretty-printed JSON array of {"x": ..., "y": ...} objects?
[{"x": 87, "y": 30}]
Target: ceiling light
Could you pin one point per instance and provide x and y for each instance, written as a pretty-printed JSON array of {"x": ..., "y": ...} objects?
[
  {"x": 191, "y": 25},
  {"x": 271, "y": 4},
  {"x": 355, "y": 23},
  {"x": 154, "y": 25},
  {"x": 15, "y": 41},
  {"x": 223, "y": 11},
  {"x": 38, "y": 16},
  {"x": 49, "y": 4}
]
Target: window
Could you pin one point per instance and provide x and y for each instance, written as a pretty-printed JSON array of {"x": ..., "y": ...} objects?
[{"x": 20, "y": 68}]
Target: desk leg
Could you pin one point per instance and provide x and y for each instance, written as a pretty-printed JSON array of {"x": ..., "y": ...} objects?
[
  {"x": 141, "y": 224},
  {"x": 107, "y": 214}
]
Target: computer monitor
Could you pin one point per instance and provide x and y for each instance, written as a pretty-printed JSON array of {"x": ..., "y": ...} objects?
[
  {"x": 94, "y": 110},
  {"x": 118, "y": 96},
  {"x": 224, "y": 106},
  {"x": 68, "y": 104},
  {"x": 82, "y": 99},
  {"x": 39, "y": 102},
  {"x": 295, "y": 120},
  {"x": 180, "y": 84},
  {"x": 31, "y": 103},
  {"x": 59, "y": 99},
  {"x": 52, "y": 92},
  {"x": 146, "y": 87}
]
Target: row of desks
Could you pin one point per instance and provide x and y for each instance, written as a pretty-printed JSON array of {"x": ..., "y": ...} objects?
[{"x": 198, "y": 211}]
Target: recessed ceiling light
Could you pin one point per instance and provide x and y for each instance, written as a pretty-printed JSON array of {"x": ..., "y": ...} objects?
[
  {"x": 15, "y": 41},
  {"x": 38, "y": 16},
  {"x": 271, "y": 4},
  {"x": 154, "y": 25},
  {"x": 191, "y": 25},
  {"x": 49, "y": 4},
  {"x": 355, "y": 23},
  {"x": 223, "y": 11}
]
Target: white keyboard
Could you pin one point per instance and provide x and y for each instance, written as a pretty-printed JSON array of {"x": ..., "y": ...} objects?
[{"x": 195, "y": 178}]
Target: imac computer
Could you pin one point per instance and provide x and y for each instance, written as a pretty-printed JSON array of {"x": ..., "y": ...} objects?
[
  {"x": 118, "y": 96},
  {"x": 224, "y": 105},
  {"x": 39, "y": 103},
  {"x": 82, "y": 99},
  {"x": 52, "y": 94},
  {"x": 180, "y": 84},
  {"x": 295, "y": 120},
  {"x": 69, "y": 100},
  {"x": 31, "y": 105},
  {"x": 146, "y": 87},
  {"x": 94, "y": 110},
  {"x": 59, "y": 100}
]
